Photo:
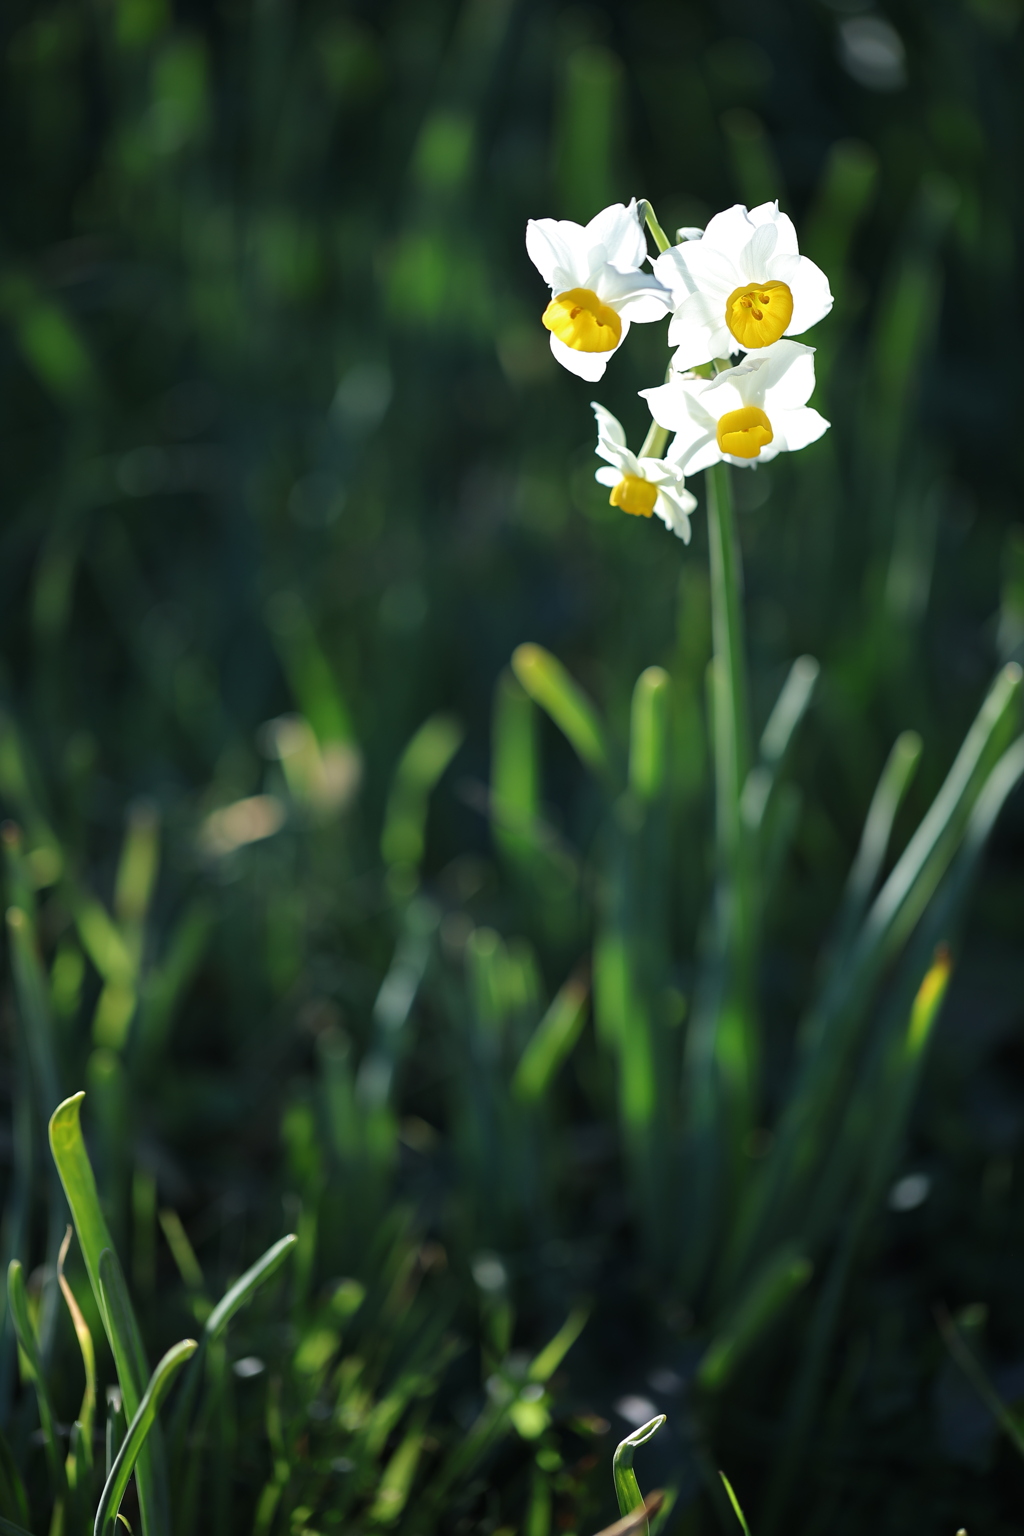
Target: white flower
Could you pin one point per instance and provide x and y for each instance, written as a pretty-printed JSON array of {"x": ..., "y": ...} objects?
[
  {"x": 641, "y": 486},
  {"x": 745, "y": 414},
  {"x": 596, "y": 284},
  {"x": 741, "y": 286}
]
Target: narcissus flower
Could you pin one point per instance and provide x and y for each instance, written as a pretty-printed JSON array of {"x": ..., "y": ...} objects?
[
  {"x": 641, "y": 486},
  {"x": 744, "y": 415},
  {"x": 740, "y": 287},
  {"x": 597, "y": 287}
]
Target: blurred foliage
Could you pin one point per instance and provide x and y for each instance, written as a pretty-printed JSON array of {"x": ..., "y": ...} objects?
[{"x": 303, "y": 890}]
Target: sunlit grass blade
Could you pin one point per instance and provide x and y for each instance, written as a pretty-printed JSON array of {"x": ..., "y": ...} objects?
[
  {"x": 246, "y": 1286},
  {"x": 783, "y": 1275},
  {"x": 789, "y": 709},
  {"x": 515, "y": 768},
  {"x": 122, "y": 1331},
  {"x": 546, "y": 1363},
  {"x": 405, "y": 821},
  {"x": 734, "y": 1501},
  {"x": 896, "y": 778},
  {"x": 87, "y": 1411},
  {"x": 627, "y": 1489},
  {"x": 138, "y": 1430},
  {"x": 649, "y": 733},
  {"x": 552, "y": 1041},
  {"x": 550, "y": 686},
  {"x": 29, "y": 1346},
  {"x": 397, "y": 1478}
]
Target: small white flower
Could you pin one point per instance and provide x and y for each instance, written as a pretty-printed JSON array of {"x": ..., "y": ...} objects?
[
  {"x": 596, "y": 283},
  {"x": 741, "y": 286},
  {"x": 744, "y": 415},
  {"x": 641, "y": 486}
]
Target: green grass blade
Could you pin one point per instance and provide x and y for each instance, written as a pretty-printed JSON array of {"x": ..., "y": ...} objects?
[
  {"x": 515, "y": 767},
  {"x": 789, "y": 709},
  {"x": 550, "y": 686},
  {"x": 896, "y": 778},
  {"x": 649, "y": 733},
  {"x": 627, "y": 1489},
  {"x": 122, "y": 1331},
  {"x": 734, "y": 1501},
  {"x": 87, "y": 1411},
  {"x": 779, "y": 1279},
  {"x": 28, "y": 1344},
  {"x": 421, "y": 765},
  {"x": 551, "y": 1356},
  {"x": 8, "y": 1528},
  {"x": 142, "y": 1422},
  {"x": 247, "y": 1285},
  {"x": 552, "y": 1041}
]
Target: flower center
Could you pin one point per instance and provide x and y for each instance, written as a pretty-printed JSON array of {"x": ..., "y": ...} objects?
[
  {"x": 634, "y": 494},
  {"x": 745, "y": 432},
  {"x": 580, "y": 320},
  {"x": 758, "y": 314}
]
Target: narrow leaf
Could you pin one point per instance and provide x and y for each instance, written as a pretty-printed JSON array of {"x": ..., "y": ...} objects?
[
  {"x": 552, "y": 1040},
  {"x": 246, "y": 1286},
  {"x": 138, "y": 1429},
  {"x": 549, "y": 685}
]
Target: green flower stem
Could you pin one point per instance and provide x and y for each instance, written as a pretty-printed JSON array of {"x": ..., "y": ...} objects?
[
  {"x": 737, "y": 1047},
  {"x": 661, "y": 240},
  {"x": 654, "y": 443}
]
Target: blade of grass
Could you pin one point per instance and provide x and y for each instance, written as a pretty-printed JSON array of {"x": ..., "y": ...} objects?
[
  {"x": 87, "y": 1411},
  {"x": 734, "y": 1501},
  {"x": 29, "y": 1346},
  {"x": 138, "y": 1430},
  {"x": 550, "y": 686},
  {"x": 627, "y": 1489},
  {"x": 122, "y": 1330},
  {"x": 552, "y": 1041},
  {"x": 649, "y": 733},
  {"x": 246, "y": 1286},
  {"x": 782, "y": 1276}
]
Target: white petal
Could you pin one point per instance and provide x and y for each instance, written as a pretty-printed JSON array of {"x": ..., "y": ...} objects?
[
  {"x": 608, "y": 426},
  {"x": 636, "y": 294},
  {"x": 768, "y": 213},
  {"x": 812, "y": 297},
  {"x": 674, "y": 509},
  {"x": 668, "y": 405},
  {"x": 675, "y": 274},
  {"x": 661, "y": 472},
  {"x": 607, "y": 475},
  {"x": 710, "y": 270},
  {"x": 554, "y": 244},
  {"x": 697, "y": 455},
  {"x": 758, "y": 253},
  {"x": 585, "y": 365},
  {"x": 798, "y": 428},
  {"x": 729, "y": 232},
  {"x": 619, "y": 230},
  {"x": 788, "y": 374}
]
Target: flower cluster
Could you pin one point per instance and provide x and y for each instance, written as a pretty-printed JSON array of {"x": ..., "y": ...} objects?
[{"x": 737, "y": 387}]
